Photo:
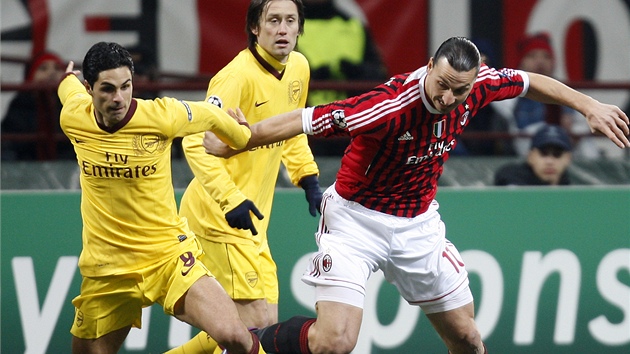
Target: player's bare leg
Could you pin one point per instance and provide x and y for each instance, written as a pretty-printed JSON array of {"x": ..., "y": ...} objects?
[
  {"x": 458, "y": 330},
  {"x": 207, "y": 306},
  {"x": 256, "y": 313},
  {"x": 109, "y": 343},
  {"x": 336, "y": 329}
]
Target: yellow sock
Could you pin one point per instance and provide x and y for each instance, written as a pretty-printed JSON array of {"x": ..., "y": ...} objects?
[
  {"x": 202, "y": 343},
  {"x": 260, "y": 350}
]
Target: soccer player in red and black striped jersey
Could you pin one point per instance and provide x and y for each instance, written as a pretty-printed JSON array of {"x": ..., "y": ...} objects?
[{"x": 381, "y": 213}]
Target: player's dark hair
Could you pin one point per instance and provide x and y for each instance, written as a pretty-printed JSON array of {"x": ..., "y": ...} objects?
[
  {"x": 460, "y": 52},
  {"x": 255, "y": 11},
  {"x": 105, "y": 56}
]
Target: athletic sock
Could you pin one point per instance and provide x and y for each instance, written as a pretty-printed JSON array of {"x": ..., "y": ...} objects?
[
  {"x": 256, "y": 347},
  {"x": 201, "y": 343},
  {"x": 286, "y": 337}
]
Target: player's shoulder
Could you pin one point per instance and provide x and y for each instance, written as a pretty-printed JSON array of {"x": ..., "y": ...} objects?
[
  {"x": 239, "y": 67},
  {"x": 298, "y": 57},
  {"x": 488, "y": 74},
  {"x": 159, "y": 105}
]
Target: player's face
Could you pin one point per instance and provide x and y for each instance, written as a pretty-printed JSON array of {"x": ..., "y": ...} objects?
[
  {"x": 278, "y": 29},
  {"x": 445, "y": 87},
  {"x": 111, "y": 95}
]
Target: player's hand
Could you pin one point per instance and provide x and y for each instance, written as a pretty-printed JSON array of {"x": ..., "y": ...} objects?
[
  {"x": 611, "y": 121},
  {"x": 238, "y": 115},
  {"x": 310, "y": 184},
  {"x": 240, "y": 217},
  {"x": 70, "y": 69},
  {"x": 214, "y": 146}
]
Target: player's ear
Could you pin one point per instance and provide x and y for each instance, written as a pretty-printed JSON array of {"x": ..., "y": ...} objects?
[
  {"x": 88, "y": 88},
  {"x": 254, "y": 30}
]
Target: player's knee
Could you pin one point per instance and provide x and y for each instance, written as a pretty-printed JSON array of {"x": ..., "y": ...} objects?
[
  {"x": 254, "y": 314},
  {"x": 231, "y": 336},
  {"x": 466, "y": 341},
  {"x": 338, "y": 342},
  {"x": 258, "y": 320}
]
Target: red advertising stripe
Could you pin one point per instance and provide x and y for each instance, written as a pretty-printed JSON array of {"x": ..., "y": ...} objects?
[
  {"x": 574, "y": 52},
  {"x": 40, "y": 18},
  {"x": 221, "y": 33},
  {"x": 97, "y": 24},
  {"x": 400, "y": 30},
  {"x": 516, "y": 14}
]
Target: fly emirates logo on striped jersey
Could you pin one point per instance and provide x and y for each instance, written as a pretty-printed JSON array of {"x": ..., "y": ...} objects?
[{"x": 436, "y": 149}]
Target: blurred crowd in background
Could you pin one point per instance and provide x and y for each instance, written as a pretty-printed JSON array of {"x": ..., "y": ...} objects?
[{"x": 340, "y": 48}]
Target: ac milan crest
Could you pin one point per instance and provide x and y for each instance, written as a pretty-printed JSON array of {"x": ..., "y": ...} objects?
[{"x": 327, "y": 263}]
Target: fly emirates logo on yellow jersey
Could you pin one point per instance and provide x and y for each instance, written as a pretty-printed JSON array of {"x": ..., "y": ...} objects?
[{"x": 116, "y": 165}]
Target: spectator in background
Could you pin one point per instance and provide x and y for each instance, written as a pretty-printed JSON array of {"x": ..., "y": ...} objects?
[
  {"x": 36, "y": 112},
  {"x": 525, "y": 116},
  {"x": 547, "y": 162},
  {"x": 338, "y": 46}
]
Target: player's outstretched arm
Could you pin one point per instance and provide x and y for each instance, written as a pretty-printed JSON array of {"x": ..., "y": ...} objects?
[
  {"x": 605, "y": 119},
  {"x": 268, "y": 131}
]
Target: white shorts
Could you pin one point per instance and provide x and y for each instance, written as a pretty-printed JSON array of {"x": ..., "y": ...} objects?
[{"x": 413, "y": 254}]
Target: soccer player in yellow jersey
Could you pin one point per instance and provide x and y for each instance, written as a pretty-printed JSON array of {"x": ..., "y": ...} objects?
[
  {"x": 137, "y": 251},
  {"x": 265, "y": 79}
]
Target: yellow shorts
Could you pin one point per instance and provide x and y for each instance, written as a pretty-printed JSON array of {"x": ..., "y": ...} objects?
[
  {"x": 245, "y": 271},
  {"x": 112, "y": 302}
]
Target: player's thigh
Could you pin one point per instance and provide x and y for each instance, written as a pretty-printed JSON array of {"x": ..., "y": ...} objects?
[
  {"x": 109, "y": 343},
  {"x": 236, "y": 267},
  {"x": 208, "y": 307}
]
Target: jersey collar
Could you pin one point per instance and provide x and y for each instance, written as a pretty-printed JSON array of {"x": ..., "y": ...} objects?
[
  {"x": 132, "y": 109},
  {"x": 421, "y": 75},
  {"x": 268, "y": 62}
]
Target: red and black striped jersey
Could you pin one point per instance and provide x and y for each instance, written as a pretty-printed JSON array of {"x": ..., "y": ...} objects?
[{"x": 399, "y": 141}]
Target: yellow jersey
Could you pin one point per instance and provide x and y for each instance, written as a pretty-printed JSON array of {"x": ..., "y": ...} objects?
[
  {"x": 261, "y": 87},
  {"x": 128, "y": 206}
]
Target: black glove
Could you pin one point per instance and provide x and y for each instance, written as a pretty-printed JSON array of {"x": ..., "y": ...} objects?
[
  {"x": 240, "y": 218},
  {"x": 310, "y": 184}
]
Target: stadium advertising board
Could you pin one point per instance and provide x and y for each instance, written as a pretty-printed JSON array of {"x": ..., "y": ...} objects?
[{"x": 549, "y": 269}]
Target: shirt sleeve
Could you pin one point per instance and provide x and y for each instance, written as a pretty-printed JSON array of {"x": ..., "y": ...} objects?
[
  {"x": 202, "y": 116},
  {"x": 211, "y": 173},
  {"x": 69, "y": 87},
  {"x": 209, "y": 170}
]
